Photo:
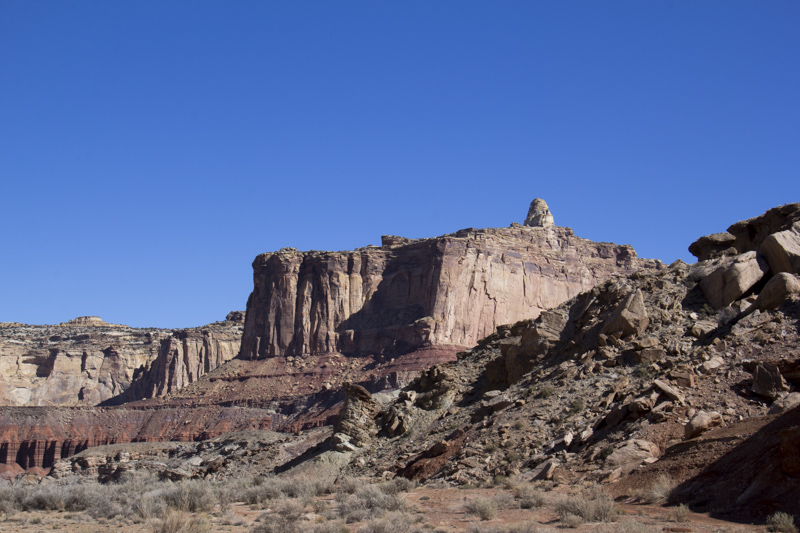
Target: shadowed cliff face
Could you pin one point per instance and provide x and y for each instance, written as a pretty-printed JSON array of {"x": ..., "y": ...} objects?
[{"x": 449, "y": 290}]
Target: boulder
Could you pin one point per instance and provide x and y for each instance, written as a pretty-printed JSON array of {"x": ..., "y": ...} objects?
[
  {"x": 629, "y": 318},
  {"x": 768, "y": 381},
  {"x": 539, "y": 215},
  {"x": 671, "y": 392},
  {"x": 632, "y": 453},
  {"x": 701, "y": 422},
  {"x": 778, "y": 289},
  {"x": 713, "y": 246},
  {"x": 782, "y": 250},
  {"x": 785, "y": 403},
  {"x": 732, "y": 279}
]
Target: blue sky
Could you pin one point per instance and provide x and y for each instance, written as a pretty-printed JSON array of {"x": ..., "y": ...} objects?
[{"x": 150, "y": 149}]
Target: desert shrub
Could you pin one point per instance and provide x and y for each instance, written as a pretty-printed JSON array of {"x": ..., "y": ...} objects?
[
  {"x": 261, "y": 491},
  {"x": 290, "y": 509},
  {"x": 659, "y": 491},
  {"x": 276, "y": 525},
  {"x": 576, "y": 406},
  {"x": 513, "y": 456},
  {"x": 181, "y": 522},
  {"x": 319, "y": 506},
  {"x": 192, "y": 496},
  {"x": 590, "y": 506},
  {"x": 680, "y": 513},
  {"x": 481, "y": 507},
  {"x": 401, "y": 484},
  {"x": 781, "y": 522},
  {"x": 505, "y": 500},
  {"x": 499, "y": 479},
  {"x": 347, "y": 485},
  {"x": 626, "y": 527},
  {"x": 149, "y": 505},
  {"x": 606, "y": 452},
  {"x": 390, "y": 523},
  {"x": 529, "y": 497},
  {"x": 327, "y": 527},
  {"x": 546, "y": 392}
]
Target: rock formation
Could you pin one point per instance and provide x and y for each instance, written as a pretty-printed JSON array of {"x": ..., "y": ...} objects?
[
  {"x": 539, "y": 215},
  {"x": 87, "y": 361},
  {"x": 448, "y": 290}
]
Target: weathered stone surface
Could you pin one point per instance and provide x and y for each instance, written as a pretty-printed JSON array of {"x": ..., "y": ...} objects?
[
  {"x": 732, "y": 279},
  {"x": 713, "y": 246},
  {"x": 702, "y": 422},
  {"x": 632, "y": 453},
  {"x": 539, "y": 215},
  {"x": 751, "y": 233},
  {"x": 778, "y": 289},
  {"x": 782, "y": 250},
  {"x": 768, "y": 381},
  {"x": 629, "y": 318},
  {"x": 785, "y": 403},
  {"x": 449, "y": 290},
  {"x": 355, "y": 426},
  {"x": 87, "y": 361}
]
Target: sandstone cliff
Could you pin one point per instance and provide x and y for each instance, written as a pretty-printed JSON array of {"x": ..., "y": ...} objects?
[
  {"x": 87, "y": 361},
  {"x": 448, "y": 290}
]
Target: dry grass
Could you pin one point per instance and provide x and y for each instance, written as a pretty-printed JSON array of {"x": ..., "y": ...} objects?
[
  {"x": 483, "y": 508},
  {"x": 592, "y": 505},
  {"x": 782, "y": 523}
]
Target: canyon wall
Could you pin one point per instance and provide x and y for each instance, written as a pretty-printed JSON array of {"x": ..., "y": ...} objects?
[
  {"x": 87, "y": 361},
  {"x": 448, "y": 290}
]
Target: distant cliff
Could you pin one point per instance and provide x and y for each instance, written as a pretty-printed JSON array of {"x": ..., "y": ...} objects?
[
  {"x": 448, "y": 290},
  {"x": 87, "y": 361}
]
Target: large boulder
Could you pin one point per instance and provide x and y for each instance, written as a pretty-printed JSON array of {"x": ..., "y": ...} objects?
[
  {"x": 713, "y": 246},
  {"x": 629, "y": 318},
  {"x": 632, "y": 453},
  {"x": 732, "y": 279},
  {"x": 702, "y": 422},
  {"x": 768, "y": 381},
  {"x": 780, "y": 288},
  {"x": 782, "y": 250},
  {"x": 752, "y": 232}
]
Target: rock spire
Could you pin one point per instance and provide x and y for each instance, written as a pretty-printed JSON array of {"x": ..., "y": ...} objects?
[{"x": 539, "y": 215}]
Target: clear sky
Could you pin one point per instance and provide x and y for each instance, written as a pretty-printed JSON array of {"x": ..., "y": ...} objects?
[{"x": 149, "y": 150}]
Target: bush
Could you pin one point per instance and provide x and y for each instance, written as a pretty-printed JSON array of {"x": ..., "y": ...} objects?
[
  {"x": 659, "y": 491},
  {"x": 289, "y": 509},
  {"x": 781, "y": 522},
  {"x": 546, "y": 392},
  {"x": 680, "y": 513},
  {"x": 529, "y": 497},
  {"x": 181, "y": 522},
  {"x": 191, "y": 496},
  {"x": 389, "y": 524},
  {"x": 482, "y": 508},
  {"x": 591, "y": 506}
]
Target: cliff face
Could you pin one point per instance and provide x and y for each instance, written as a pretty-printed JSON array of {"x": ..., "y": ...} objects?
[
  {"x": 87, "y": 361},
  {"x": 448, "y": 290}
]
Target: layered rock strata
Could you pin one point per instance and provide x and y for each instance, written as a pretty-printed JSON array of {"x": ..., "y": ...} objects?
[
  {"x": 448, "y": 290},
  {"x": 87, "y": 361},
  {"x": 38, "y": 437}
]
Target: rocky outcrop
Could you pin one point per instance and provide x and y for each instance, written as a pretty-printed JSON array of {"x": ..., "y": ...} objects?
[
  {"x": 87, "y": 361},
  {"x": 539, "y": 215},
  {"x": 37, "y": 436},
  {"x": 355, "y": 426},
  {"x": 448, "y": 290}
]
